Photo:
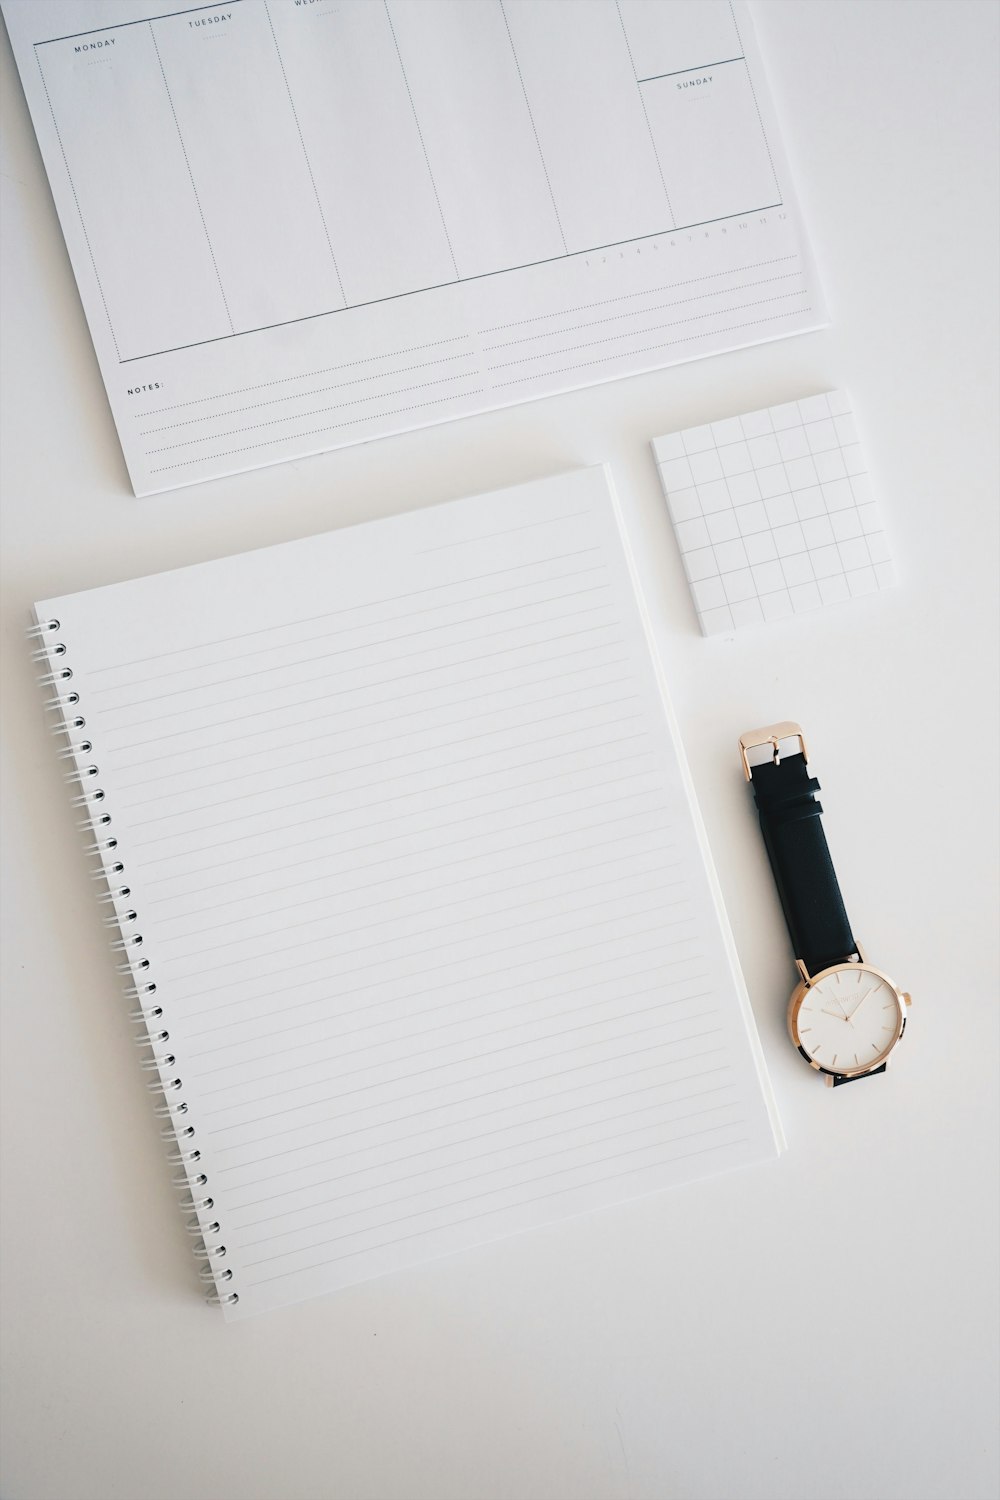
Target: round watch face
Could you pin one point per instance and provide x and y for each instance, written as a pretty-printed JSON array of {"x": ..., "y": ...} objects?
[{"x": 847, "y": 1019}]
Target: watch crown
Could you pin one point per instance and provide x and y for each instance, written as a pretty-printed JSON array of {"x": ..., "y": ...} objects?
[{"x": 907, "y": 999}]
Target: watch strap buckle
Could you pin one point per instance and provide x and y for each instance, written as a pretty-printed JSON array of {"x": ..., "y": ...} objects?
[{"x": 773, "y": 735}]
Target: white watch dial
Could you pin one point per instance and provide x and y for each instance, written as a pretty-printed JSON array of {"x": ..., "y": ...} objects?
[{"x": 849, "y": 1019}]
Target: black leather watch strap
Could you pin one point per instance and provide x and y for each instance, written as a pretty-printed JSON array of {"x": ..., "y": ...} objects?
[{"x": 791, "y": 822}]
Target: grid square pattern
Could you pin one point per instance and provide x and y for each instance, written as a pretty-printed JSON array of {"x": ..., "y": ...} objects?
[{"x": 773, "y": 512}]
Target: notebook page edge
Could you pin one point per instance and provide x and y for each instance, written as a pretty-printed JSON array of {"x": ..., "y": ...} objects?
[{"x": 725, "y": 927}]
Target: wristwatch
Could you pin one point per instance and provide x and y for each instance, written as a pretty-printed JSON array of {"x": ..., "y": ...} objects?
[{"x": 845, "y": 1016}]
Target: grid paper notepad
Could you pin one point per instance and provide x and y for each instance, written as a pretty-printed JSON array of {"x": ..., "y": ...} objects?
[
  {"x": 773, "y": 512},
  {"x": 411, "y": 884}
]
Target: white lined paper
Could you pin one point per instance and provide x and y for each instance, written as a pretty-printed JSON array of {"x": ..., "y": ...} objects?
[{"x": 419, "y": 884}]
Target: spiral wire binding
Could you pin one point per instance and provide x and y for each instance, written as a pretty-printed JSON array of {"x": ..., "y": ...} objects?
[{"x": 191, "y": 1182}]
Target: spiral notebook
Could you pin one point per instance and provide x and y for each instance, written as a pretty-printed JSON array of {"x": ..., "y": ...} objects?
[{"x": 410, "y": 892}]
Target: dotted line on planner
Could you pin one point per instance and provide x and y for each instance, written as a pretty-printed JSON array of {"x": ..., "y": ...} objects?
[
  {"x": 331, "y": 427},
  {"x": 305, "y": 153},
  {"x": 79, "y": 210},
  {"x": 649, "y": 348},
  {"x": 628, "y": 296},
  {"x": 534, "y": 129},
  {"x": 308, "y": 374},
  {"x": 617, "y": 337},
  {"x": 616, "y": 317},
  {"x": 753, "y": 95},
  {"x": 194, "y": 187},
  {"x": 319, "y": 391},
  {"x": 645, "y": 113},
  {"x": 301, "y": 415}
]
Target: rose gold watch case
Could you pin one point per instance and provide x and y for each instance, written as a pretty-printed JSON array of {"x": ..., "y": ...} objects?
[{"x": 809, "y": 980}]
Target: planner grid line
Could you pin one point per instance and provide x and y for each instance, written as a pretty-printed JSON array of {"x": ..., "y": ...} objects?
[
  {"x": 645, "y": 114},
  {"x": 666, "y": 344},
  {"x": 616, "y": 338},
  {"x": 420, "y": 137},
  {"x": 154, "y": 412},
  {"x": 745, "y": 286},
  {"x": 701, "y": 67},
  {"x": 72, "y": 36},
  {"x": 415, "y": 290},
  {"x": 439, "y": 286},
  {"x": 666, "y": 286},
  {"x": 753, "y": 95},
  {"x": 534, "y": 128},
  {"x": 305, "y": 153},
  {"x": 317, "y": 411},
  {"x": 79, "y": 210},
  {"x": 266, "y": 385},
  {"x": 302, "y": 395},
  {"x": 194, "y": 185},
  {"x": 392, "y": 411}
]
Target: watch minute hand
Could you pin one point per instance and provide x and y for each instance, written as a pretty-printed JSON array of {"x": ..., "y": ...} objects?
[{"x": 861, "y": 1002}]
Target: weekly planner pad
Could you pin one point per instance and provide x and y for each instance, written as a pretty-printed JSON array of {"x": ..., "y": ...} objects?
[
  {"x": 302, "y": 223},
  {"x": 411, "y": 892}
]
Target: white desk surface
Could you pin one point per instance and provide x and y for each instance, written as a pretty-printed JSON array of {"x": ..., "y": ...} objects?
[{"x": 820, "y": 1329}]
